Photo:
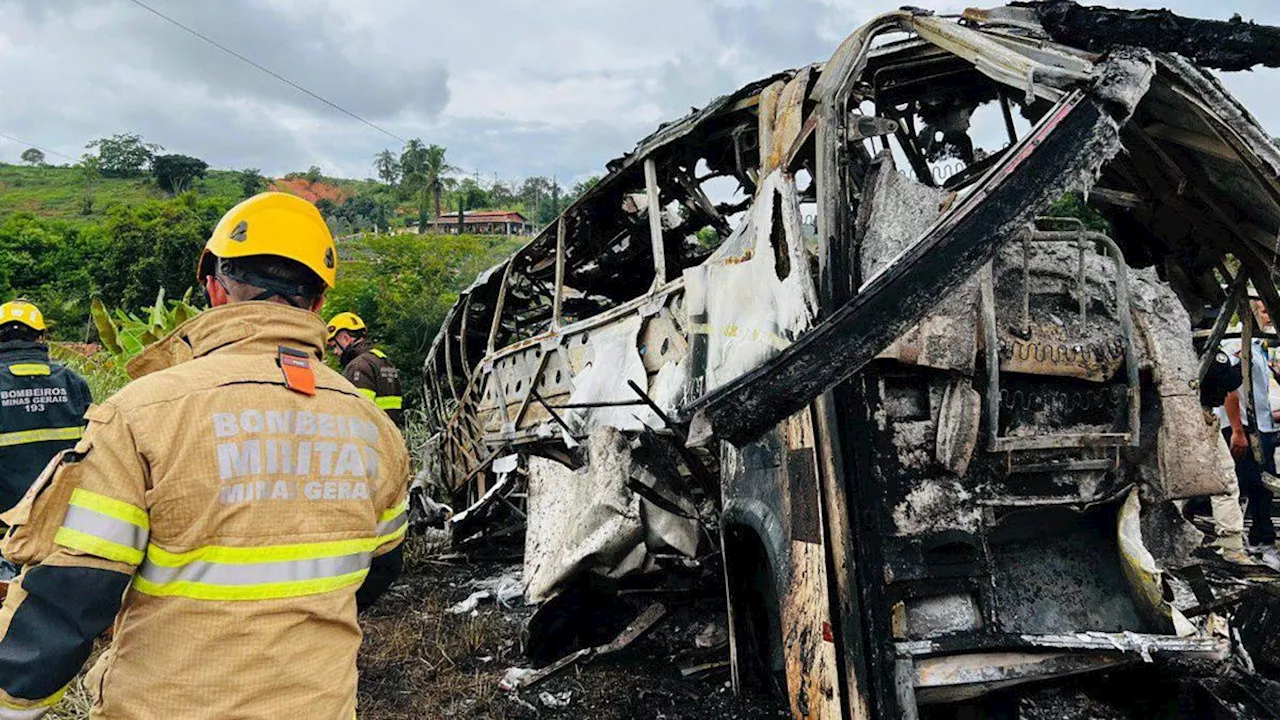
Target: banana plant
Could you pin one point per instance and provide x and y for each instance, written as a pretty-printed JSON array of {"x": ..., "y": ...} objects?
[{"x": 125, "y": 334}]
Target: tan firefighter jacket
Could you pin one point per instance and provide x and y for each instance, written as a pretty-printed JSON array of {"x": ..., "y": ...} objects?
[{"x": 242, "y": 515}]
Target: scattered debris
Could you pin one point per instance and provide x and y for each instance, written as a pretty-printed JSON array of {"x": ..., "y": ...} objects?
[
  {"x": 979, "y": 364},
  {"x": 713, "y": 635},
  {"x": 471, "y": 603},
  {"x": 515, "y": 677},
  {"x": 558, "y": 700},
  {"x": 638, "y": 627}
]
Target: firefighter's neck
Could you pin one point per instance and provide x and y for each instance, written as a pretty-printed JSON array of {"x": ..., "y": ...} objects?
[{"x": 225, "y": 291}]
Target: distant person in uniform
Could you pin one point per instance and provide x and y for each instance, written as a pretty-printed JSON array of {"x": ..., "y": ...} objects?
[
  {"x": 367, "y": 367},
  {"x": 1216, "y": 391},
  {"x": 1239, "y": 429},
  {"x": 42, "y": 404}
]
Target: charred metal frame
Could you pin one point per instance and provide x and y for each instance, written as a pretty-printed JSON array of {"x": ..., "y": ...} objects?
[
  {"x": 997, "y": 443},
  {"x": 582, "y": 276}
]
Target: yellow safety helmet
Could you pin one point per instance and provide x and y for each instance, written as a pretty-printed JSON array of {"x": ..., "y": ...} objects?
[
  {"x": 344, "y": 321},
  {"x": 23, "y": 312},
  {"x": 273, "y": 223}
]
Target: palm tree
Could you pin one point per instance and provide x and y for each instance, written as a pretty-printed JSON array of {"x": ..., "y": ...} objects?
[
  {"x": 422, "y": 170},
  {"x": 412, "y": 157},
  {"x": 435, "y": 168},
  {"x": 387, "y": 167}
]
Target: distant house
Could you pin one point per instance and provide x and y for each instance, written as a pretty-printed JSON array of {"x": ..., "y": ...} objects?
[{"x": 482, "y": 222}]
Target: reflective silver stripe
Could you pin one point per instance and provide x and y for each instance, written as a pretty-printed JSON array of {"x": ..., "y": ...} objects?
[
  {"x": 105, "y": 527},
  {"x": 212, "y": 573},
  {"x": 393, "y": 524}
]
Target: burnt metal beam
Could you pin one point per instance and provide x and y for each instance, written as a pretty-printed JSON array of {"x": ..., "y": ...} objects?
[
  {"x": 1076, "y": 138},
  {"x": 1229, "y": 45}
]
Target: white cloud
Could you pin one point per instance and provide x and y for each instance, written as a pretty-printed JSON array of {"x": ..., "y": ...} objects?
[{"x": 511, "y": 87}]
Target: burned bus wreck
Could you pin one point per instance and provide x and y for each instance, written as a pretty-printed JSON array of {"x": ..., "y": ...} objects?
[{"x": 941, "y": 438}]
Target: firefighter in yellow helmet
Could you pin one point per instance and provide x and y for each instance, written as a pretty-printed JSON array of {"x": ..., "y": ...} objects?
[
  {"x": 367, "y": 367},
  {"x": 229, "y": 510},
  {"x": 42, "y": 403}
]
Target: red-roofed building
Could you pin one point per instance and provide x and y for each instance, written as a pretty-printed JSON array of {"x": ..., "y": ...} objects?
[{"x": 482, "y": 222}]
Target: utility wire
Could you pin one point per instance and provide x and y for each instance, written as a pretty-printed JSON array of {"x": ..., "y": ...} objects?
[
  {"x": 268, "y": 71},
  {"x": 46, "y": 151}
]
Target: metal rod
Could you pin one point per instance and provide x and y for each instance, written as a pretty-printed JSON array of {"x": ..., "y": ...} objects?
[
  {"x": 448, "y": 358},
  {"x": 655, "y": 223},
  {"x": 585, "y": 405},
  {"x": 691, "y": 460},
  {"x": 462, "y": 334},
  {"x": 533, "y": 381},
  {"x": 1080, "y": 285},
  {"x": 1251, "y": 424},
  {"x": 1008, "y": 118},
  {"x": 991, "y": 343},
  {"x": 497, "y": 310},
  {"x": 1026, "y": 282},
  {"x": 1234, "y": 295},
  {"x": 558, "y": 298},
  {"x": 552, "y": 412}
]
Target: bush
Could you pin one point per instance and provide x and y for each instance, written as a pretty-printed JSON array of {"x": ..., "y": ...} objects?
[{"x": 402, "y": 286}]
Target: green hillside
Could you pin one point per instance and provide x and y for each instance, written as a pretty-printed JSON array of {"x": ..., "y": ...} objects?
[
  {"x": 59, "y": 192},
  {"x": 61, "y": 251}
]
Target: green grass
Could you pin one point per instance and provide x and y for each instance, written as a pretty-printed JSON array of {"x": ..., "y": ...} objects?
[{"x": 58, "y": 192}]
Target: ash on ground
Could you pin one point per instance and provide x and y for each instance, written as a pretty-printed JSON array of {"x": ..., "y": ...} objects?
[{"x": 420, "y": 660}]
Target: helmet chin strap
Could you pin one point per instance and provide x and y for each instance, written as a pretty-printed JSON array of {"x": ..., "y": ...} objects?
[
  {"x": 268, "y": 294},
  {"x": 270, "y": 287}
]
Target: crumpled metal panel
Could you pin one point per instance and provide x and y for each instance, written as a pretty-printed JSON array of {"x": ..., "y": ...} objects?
[
  {"x": 756, "y": 297},
  {"x": 590, "y": 521}
]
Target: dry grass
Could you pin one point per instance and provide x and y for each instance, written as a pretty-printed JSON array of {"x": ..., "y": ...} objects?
[{"x": 418, "y": 661}]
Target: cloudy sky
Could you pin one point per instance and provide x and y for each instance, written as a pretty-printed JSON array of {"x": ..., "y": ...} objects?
[{"x": 511, "y": 87}]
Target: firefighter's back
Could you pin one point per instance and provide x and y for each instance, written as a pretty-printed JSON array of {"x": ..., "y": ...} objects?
[
  {"x": 42, "y": 406},
  {"x": 265, "y": 506}
]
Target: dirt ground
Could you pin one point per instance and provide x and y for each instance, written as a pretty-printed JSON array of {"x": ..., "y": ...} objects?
[{"x": 419, "y": 661}]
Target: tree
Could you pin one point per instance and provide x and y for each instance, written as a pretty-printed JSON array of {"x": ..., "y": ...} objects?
[
  {"x": 55, "y": 264},
  {"x": 412, "y": 159},
  {"x": 405, "y": 284},
  {"x": 88, "y": 171},
  {"x": 251, "y": 181},
  {"x": 471, "y": 195},
  {"x": 33, "y": 156},
  {"x": 435, "y": 169},
  {"x": 174, "y": 173},
  {"x": 124, "y": 155},
  {"x": 423, "y": 169},
  {"x": 580, "y": 189},
  {"x": 314, "y": 174},
  {"x": 535, "y": 193},
  {"x": 152, "y": 246},
  {"x": 501, "y": 195},
  {"x": 387, "y": 167}
]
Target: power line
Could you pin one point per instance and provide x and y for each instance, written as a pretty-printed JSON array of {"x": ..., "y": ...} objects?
[
  {"x": 46, "y": 151},
  {"x": 272, "y": 73}
]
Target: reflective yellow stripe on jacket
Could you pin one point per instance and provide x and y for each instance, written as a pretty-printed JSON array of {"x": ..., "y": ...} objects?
[
  {"x": 29, "y": 369},
  {"x": 266, "y": 572},
  {"x": 105, "y": 527},
  {"x": 22, "y": 437},
  {"x": 386, "y": 402},
  {"x": 393, "y": 523},
  {"x": 389, "y": 402},
  {"x": 11, "y": 711}
]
